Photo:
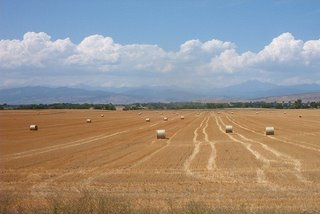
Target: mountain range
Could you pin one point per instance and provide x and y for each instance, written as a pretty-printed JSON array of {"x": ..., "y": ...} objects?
[{"x": 250, "y": 90}]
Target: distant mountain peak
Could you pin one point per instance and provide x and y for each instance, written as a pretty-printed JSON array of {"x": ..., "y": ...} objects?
[{"x": 252, "y": 89}]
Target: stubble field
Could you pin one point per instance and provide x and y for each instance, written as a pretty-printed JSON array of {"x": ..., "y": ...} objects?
[{"x": 119, "y": 155}]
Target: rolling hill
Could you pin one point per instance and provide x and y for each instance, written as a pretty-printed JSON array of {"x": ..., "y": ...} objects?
[{"x": 247, "y": 91}]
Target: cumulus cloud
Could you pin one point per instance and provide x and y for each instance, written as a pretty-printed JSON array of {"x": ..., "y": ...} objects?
[
  {"x": 95, "y": 50},
  {"x": 282, "y": 49},
  {"x": 283, "y": 53},
  {"x": 208, "y": 61},
  {"x": 35, "y": 50},
  {"x": 311, "y": 52}
]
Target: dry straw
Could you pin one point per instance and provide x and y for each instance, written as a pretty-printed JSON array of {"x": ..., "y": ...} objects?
[
  {"x": 161, "y": 134},
  {"x": 229, "y": 129},
  {"x": 269, "y": 130},
  {"x": 33, "y": 127}
]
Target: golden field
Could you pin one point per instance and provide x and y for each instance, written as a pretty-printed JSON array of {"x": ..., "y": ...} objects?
[{"x": 119, "y": 155}]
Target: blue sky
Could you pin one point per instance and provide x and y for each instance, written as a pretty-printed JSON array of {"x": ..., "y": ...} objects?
[{"x": 143, "y": 41}]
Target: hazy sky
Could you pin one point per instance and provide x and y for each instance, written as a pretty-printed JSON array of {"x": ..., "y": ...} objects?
[{"x": 144, "y": 42}]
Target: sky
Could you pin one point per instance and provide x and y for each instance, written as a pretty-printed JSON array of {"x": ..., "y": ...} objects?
[{"x": 181, "y": 43}]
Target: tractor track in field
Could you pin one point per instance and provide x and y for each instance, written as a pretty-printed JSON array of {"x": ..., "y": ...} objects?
[
  {"x": 168, "y": 143},
  {"x": 260, "y": 172},
  {"x": 210, "y": 174},
  {"x": 60, "y": 146},
  {"x": 308, "y": 146},
  {"x": 137, "y": 162},
  {"x": 195, "y": 151},
  {"x": 67, "y": 145},
  {"x": 281, "y": 157},
  {"x": 211, "y": 165},
  {"x": 144, "y": 159},
  {"x": 45, "y": 183}
]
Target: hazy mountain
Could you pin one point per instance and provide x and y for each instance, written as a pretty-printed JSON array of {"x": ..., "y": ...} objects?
[
  {"x": 256, "y": 89},
  {"x": 247, "y": 90},
  {"x": 39, "y": 94},
  {"x": 305, "y": 97}
]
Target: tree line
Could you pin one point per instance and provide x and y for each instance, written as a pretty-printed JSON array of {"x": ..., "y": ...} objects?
[{"x": 298, "y": 104}]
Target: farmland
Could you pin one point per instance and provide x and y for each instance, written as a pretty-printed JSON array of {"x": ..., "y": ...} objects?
[{"x": 119, "y": 155}]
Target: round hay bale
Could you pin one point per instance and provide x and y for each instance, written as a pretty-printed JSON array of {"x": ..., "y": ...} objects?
[
  {"x": 161, "y": 134},
  {"x": 88, "y": 120},
  {"x": 165, "y": 119},
  {"x": 147, "y": 119},
  {"x": 229, "y": 129},
  {"x": 102, "y": 115},
  {"x": 269, "y": 130},
  {"x": 232, "y": 112},
  {"x": 284, "y": 112},
  {"x": 139, "y": 113},
  {"x": 257, "y": 112},
  {"x": 33, "y": 127},
  {"x": 182, "y": 117}
]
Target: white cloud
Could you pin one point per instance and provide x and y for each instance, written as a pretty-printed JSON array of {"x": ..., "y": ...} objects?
[
  {"x": 284, "y": 53},
  {"x": 195, "y": 61},
  {"x": 216, "y": 46},
  {"x": 35, "y": 50},
  {"x": 311, "y": 52},
  {"x": 95, "y": 50},
  {"x": 283, "y": 49}
]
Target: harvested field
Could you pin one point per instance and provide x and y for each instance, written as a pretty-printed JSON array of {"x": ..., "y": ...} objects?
[{"x": 119, "y": 155}]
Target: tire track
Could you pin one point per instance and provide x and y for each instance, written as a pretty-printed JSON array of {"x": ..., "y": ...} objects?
[
  {"x": 187, "y": 163},
  {"x": 148, "y": 157},
  {"x": 64, "y": 146},
  {"x": 296, "y": 171},
  {"x": 303, "y": 142},
  {"x": 283, "y": 158},
  {"x": 274, "y": 138},
  {"x": 212, "y": 159},
  {"x": 261, "y": 177},
  {"x": 295, "y": 144},
  {"x": 48, "y": 147},
  {"x": 67, "y": 145},
  {"x": 42, "y": 185},
  {"x": 142, "y": 160}
]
